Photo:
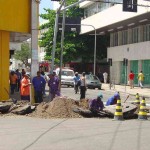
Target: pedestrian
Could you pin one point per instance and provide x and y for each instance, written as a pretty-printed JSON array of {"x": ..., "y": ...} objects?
[
  {"x": 57, "y": 70},
  {"x": 105, "y": 75},
  {"x": 96, "y": 105},
  {"x": 44, "y": 77},
  {"x": 23, "y": 73},
  {"x": 77, "y": 82},
  {"x": 82, "y": 86},
  {"x": 13, "y": 81},
  {"x": 18, "y": 80},
  {"x": 38, "y": 84},
  {"x": 131, "y": 79},
  {"x": 140, "y": 79},
  {"x": 53, "y": 84},
  {"x": 25, "y": 88},
  {"x": 113, "y": 100}
]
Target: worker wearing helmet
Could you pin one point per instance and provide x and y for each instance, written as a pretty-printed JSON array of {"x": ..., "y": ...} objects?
[
  {"x": 113, "y": 100},
  {"x": 96, "y": 105}
]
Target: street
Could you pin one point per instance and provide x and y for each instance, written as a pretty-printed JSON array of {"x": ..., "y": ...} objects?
[
  {"x": 29, "y": 133},
  {"x": 25, "y": 133},
  {"x": 92, "y": 93}
]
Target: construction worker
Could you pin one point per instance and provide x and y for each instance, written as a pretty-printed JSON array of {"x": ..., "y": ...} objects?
[
  {"x": 113, "y": 100},
  {"x": 25, "y": 88},
  {"x": 96, "y": 105}
]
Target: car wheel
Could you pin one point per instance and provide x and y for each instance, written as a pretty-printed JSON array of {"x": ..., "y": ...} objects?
[{"x": 99, "y": 88}]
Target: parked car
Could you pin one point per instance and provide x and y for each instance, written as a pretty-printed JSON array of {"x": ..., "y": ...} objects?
[
  {"x": 93, "y": 81},
  {"x": 67, "y": 76}
]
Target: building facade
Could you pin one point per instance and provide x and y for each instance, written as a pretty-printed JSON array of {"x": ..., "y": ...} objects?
[{"x": 129, "y": 36}]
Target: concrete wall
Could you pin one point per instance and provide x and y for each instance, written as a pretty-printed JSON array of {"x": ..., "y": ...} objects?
[
  {"x": 137, "y": 51},
  {"x": 115, "y": 70}
]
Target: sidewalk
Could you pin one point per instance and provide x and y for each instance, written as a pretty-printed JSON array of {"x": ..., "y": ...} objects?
[{"x": 126, "y": 89}]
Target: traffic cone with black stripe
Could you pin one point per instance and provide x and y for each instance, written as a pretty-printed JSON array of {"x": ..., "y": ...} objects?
[
  {"x": 118, "y": 114},
  {"x": 142, "y": 115},
  {"x": 137, "y": 100}
]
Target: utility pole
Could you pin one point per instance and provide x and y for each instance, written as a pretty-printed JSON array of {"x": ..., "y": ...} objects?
[
  {"x": 62, "y": 42},
  {"x": 34, "y": 41}
]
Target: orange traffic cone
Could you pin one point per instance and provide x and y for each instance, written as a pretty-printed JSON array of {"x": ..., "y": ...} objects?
[
  {"x": 142, "y": 115},
  {"x": 118, "y": 114},
  {"x": 137, "y": 101}
]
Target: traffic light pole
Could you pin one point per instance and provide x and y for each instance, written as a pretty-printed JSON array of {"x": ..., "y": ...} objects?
[{"x": 56, "y": 28}]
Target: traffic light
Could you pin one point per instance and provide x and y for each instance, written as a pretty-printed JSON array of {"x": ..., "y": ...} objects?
[
  {"x": 130, "y": 5},
  {"x": 125, "y": 62},
  {"x": 110, "y": 61}
]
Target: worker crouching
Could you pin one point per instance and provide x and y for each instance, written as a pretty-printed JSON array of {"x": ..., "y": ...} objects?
[{"x": 96, "y": 105}]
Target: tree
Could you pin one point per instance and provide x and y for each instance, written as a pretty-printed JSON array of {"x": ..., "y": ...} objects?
[
  {"x": 24, "y": 54},
  {"x": 75, "y": 45}
]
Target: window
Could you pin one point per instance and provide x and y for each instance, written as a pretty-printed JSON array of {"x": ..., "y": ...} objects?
[
  {"x": 95, "y": 8},
  {"x": 135, "y": 35},
  {"x": 146, "y": 32},
  {"x": 124, "y": 37},
  {"x": 115, "y": 39}
]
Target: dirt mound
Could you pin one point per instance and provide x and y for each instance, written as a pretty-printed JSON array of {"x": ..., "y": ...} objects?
[{"x": 58, "y": 108}]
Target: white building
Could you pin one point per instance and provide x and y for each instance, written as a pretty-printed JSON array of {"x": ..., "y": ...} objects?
[{"x": 129, "y": 35}]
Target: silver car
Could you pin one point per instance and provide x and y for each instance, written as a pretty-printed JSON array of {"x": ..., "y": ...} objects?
[
  {"x": 93, "y": 81},
  {"x": 67, "y": 76}
]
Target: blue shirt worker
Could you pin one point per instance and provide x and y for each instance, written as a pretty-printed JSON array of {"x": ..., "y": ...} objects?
[
  {"x": 113, "y": 100},
  {"x": 38, "y": 83},
  {"x": 53, "y": 84},
  {"x": 96, "y": 105}
]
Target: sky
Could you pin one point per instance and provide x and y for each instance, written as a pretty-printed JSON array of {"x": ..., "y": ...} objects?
[{"x": 47, "y": 4}]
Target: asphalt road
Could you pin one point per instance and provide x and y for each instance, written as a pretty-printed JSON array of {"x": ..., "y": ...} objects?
[
  {"x": 26, "y": 133},
  {"x": 92, "y": 93}
]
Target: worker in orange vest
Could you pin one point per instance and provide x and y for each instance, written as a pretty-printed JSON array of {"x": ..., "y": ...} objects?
[{"x": 25, "y": 88}]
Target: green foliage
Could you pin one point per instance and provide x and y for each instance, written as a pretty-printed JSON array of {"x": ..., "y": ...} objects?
[
  {"x": 75, "y": 45},
  {"x": 24, "y": 54}
]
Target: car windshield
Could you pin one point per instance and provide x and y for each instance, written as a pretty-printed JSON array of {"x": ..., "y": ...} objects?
[
  {"x": 67, "y": 73},
  {"x": 91, "y": 77}
]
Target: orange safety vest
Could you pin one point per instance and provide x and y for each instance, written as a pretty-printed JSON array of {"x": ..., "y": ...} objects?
[{"x": 25, "y": 89}]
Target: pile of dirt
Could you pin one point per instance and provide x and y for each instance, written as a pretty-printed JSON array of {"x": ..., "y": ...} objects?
[{"x": 60, "y": 107}]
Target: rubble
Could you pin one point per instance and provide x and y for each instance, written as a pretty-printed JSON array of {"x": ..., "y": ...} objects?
[{"x": 61, "y": 107}]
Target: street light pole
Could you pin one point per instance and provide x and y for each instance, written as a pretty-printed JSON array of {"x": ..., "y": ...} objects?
[
  {"x": 54, "y": 41},
  {"x": 56, "y": 28},
  {"x": 94, "y": 68}
]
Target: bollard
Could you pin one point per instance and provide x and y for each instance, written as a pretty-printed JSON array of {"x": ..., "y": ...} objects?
[
  {"x": 142, "y": 115},
  {"x": 118, "y": 114}
]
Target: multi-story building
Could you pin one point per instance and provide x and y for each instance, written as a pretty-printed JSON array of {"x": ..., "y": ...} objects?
[{"x": 129, "y": 35}]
